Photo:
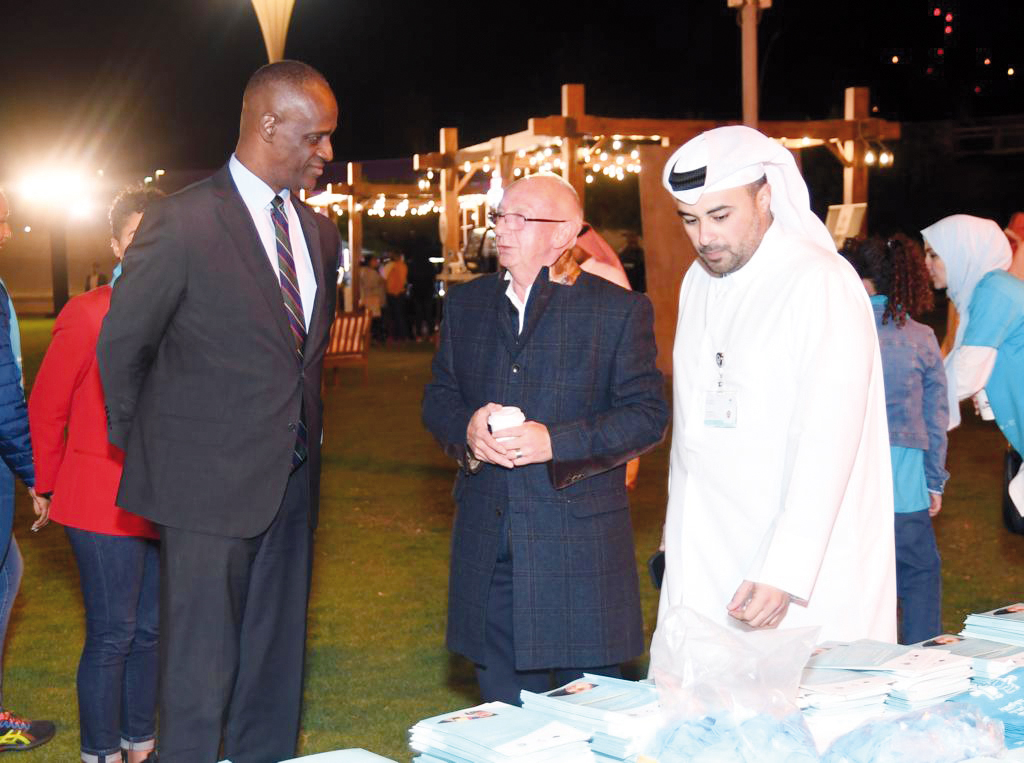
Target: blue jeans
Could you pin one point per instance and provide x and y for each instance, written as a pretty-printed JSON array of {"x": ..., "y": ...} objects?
[
  {"x": 10, "y": 579},
  {"x": 918, "y": 577},
  {"x": 117, "y": 674}
]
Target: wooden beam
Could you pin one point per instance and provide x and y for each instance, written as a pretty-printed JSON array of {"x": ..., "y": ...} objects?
[
  {"x": 573, "y": 109},
  {"x": 355, "y": 232},
  {"x": 448, "y": 221},
  {"x": 855, "y": 175},
  {"x": 681, "y": 130},
  {"x": 434, "y": 160}
]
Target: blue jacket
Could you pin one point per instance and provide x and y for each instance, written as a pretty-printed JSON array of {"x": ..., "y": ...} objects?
[
  {"x": 915, "y": 391},
  {"x": 15, "y": 443},
  {"x": 584, "y": 365}
]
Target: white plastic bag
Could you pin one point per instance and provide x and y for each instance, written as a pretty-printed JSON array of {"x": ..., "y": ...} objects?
[{"x": 729, "y": 695}]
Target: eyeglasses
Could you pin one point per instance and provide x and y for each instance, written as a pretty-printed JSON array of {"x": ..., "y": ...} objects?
[{"x": 514, "y": 222}]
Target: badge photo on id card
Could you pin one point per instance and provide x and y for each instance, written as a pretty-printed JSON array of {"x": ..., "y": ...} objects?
[{"x": 720, "y": 408}]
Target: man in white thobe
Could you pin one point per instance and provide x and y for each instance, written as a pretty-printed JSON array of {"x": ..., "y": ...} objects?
[{"x": 780, "y": 489}]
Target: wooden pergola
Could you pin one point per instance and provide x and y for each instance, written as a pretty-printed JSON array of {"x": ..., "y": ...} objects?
[
  {"x": 572, "y": 140},
  {"x": 580, "y": 146}
]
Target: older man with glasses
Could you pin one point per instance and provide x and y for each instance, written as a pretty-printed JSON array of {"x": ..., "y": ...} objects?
[{"x": 543, "y": 571}]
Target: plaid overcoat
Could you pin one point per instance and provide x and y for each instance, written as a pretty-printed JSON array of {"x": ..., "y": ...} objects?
[{"x": 584, "y": 365}]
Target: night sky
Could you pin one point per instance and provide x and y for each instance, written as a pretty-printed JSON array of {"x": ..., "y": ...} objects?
[{"x": 131, "y": 86}]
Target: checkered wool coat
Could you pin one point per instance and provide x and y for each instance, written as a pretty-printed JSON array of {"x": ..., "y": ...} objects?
[{"x": 584, "y": 366}]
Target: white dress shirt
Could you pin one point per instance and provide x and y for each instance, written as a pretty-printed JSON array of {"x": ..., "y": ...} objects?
[{"x": 258, "y": 197}]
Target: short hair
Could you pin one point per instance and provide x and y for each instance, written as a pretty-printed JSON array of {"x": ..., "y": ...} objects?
[
  {"x": 293, "y": 74},
  {"x": 134, "y": 198},
  {"x": 757, "y": 184}
]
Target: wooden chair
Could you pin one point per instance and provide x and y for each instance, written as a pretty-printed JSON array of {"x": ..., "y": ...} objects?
[{"x": 349, "y": 344}]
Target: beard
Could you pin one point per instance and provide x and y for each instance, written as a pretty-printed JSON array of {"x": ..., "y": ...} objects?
[{"x": 724, "y": 258}]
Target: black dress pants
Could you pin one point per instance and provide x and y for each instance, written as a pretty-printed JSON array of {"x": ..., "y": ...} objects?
[{"x": 232, "y": 638}]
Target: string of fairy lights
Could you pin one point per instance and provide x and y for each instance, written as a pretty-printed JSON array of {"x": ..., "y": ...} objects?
[{"x": 611, "y": 158}]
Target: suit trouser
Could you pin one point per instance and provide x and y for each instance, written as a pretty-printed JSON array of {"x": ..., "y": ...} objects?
[
  {"x": 498, "y": 678},
  {"x": 232, "y": 637}
]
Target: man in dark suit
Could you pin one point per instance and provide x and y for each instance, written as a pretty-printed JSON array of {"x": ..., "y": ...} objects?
[
  {"x": 211, "y": 359},
  {"x": 543, "y": 570}
]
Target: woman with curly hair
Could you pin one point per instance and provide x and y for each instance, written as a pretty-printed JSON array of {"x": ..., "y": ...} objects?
[{"x": 895, "y": 275}]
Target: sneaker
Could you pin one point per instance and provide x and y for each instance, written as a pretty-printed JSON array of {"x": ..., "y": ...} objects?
[{"x": 22, "y": 734}]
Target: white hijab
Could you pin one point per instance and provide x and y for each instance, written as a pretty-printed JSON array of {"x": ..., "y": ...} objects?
[
  {"x": 970, "y": 247},
  {"x": 730, "y": 157}
]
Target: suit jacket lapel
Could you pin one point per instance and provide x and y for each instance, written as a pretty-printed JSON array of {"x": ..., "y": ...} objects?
[
  {"x": 540, "y": 296},
  {"x": 250, "y": 249},
  {"x": 506, "y": 325}
]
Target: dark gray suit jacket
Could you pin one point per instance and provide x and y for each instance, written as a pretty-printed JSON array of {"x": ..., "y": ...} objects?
[
  {"x": 202, "y": 386},
  {"x": 584, "y": 366}
]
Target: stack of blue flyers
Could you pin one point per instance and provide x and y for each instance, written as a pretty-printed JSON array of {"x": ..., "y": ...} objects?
[
  {"x": 990, "y": 659},
  {"x": 1003, "y": 624},
  {"x": 498, "y": 733},
  {"x": 620, "y": 715}
]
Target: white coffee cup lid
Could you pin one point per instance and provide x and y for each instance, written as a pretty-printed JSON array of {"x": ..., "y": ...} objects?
[{"x": 508, "y": 416}]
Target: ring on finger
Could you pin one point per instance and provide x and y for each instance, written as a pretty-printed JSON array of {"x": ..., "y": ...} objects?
[{"x": 518, "y": 454}]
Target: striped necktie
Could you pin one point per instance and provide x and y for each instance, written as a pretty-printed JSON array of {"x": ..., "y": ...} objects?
[{"x": 293, "y": 307}]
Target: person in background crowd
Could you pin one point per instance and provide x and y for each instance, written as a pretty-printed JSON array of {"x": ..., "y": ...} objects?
[
  {"x": 780, "y": 485},
  {"x": 372, "y": 296},
  {"x": 1015, "y": 234},
  {"x": 422, "y": 296},
  {"x": 632, "y": 258},
  {"x": 594, "y": 256},
  {"x": 117, "y": 555},
  {"x": 543, "y": 565},
  {"x": 211, "y": 359},
  {"x": 95, "y": 279},
  {"x": 16, "y": 733},
  {"x": 896, "y": 277},
  {"x": 969, "y": 257},
  {"x": 396, "y": 275}
]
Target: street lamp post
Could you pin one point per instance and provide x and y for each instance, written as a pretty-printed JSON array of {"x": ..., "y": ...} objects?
[
  {"x": 748, "y": 12},
  {"x": 58, "y": 258}
]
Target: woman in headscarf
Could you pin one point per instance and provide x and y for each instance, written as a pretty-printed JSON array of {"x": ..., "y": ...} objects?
[{"x": 969, "y": 257}]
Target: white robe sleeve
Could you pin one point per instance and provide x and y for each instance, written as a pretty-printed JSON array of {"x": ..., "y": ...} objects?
[
  {"x": 967, "y": 372},
  {"x": 838, "y": 417}
]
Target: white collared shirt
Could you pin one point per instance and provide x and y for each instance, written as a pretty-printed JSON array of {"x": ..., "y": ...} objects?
[
  {"x": 519, "y": 305},
  {"x": 258, "y": 197}
]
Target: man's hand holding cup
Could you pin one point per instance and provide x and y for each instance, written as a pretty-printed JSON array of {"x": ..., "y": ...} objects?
[{"x": 501, "y": 435}]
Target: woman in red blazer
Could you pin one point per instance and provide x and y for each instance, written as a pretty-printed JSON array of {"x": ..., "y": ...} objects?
[{"x": 117, "y": 555}]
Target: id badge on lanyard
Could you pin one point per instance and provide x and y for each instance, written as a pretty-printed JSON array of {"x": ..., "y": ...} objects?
[{"x": 720, "y": 402}]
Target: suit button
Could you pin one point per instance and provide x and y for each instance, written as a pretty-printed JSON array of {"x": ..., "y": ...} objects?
[
  {"x": 515, "y": 369},
  {"x": 497, "y": 512},
  {"x": 291, "y": 427}
]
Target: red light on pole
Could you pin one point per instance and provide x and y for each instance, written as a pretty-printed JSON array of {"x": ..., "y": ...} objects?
[
  {"x": 941, "y": 51},
  {"x": 949, "y": 17},
  {"x": 937, "y": 12}
]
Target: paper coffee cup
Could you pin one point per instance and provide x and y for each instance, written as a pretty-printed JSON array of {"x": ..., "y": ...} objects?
[{"x": 508, "y": 416}]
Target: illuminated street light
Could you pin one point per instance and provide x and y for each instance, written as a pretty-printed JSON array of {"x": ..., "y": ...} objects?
[
  {"x": 61, "y": 193},
  {"x": 274, "y": 17}
]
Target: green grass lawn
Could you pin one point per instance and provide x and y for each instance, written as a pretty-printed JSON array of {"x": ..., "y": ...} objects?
[{"x": 377, "y": 661}]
